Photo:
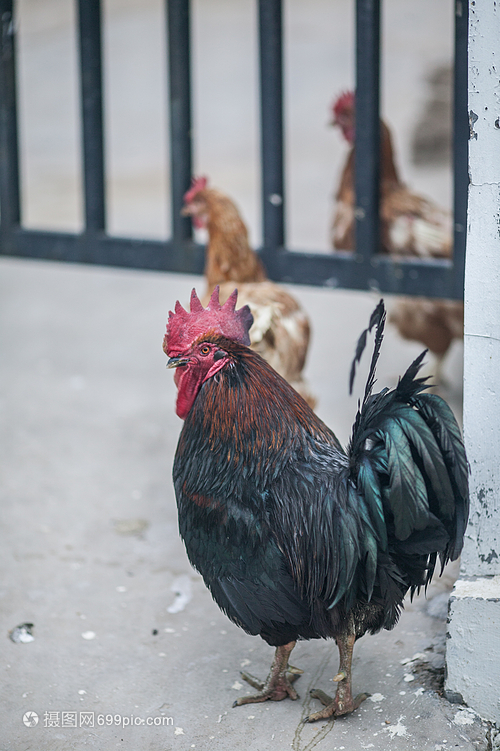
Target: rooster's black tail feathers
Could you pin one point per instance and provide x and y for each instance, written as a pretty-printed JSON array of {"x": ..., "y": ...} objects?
[
  {"x": 377, "y": 319},
  {"x": 408, "y": 464}
]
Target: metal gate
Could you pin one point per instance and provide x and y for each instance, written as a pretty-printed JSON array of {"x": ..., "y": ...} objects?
[{"x": 364, "y": 269}]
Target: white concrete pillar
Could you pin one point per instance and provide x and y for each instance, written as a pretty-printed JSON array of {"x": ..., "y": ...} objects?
[{"x": 473, "y": 647}]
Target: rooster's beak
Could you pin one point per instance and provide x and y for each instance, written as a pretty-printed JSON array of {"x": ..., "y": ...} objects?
[{"x": 175, "y": 362}]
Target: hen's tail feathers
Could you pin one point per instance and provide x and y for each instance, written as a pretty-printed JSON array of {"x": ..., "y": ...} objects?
[{"x": 408, "y": 464}]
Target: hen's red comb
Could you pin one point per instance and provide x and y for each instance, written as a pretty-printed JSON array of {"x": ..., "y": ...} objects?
[
  {"x": 197, "y": 184},
  {"x": 343, "y": 102},
  {"x": 185, "y": 327}
]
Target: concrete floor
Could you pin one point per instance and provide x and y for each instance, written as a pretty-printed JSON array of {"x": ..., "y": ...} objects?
[
  {"x": 124, "y": 630},
  {"x": 91, "y": 549}
]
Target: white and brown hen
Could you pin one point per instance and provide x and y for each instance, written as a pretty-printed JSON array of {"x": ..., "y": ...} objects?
[{"x": 281, "y": 331}]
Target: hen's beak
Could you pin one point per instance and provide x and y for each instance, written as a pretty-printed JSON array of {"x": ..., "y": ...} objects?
[{"x": 176, "y": 362}]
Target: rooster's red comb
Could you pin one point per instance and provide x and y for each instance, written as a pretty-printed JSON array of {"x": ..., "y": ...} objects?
[
  {"x": 345, "y": 101},
  {"x": 185, "y": 327},
  {"x": 197, "y": 184}
]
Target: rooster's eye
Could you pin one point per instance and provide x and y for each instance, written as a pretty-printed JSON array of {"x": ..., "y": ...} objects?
[{"x": 205, "y": 349}]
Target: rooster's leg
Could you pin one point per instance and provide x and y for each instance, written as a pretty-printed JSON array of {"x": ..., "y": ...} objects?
[
  {"x": 278, "y": 684},
  {"x": 343, "y": 703}
]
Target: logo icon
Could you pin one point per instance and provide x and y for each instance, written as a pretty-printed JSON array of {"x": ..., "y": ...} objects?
[{"x": 30, "y": 719}]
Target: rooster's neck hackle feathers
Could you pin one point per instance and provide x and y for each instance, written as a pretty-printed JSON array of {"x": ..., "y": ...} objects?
[
  {"x": 237, "y": 408},
  {"x": 249, "y": 423}
]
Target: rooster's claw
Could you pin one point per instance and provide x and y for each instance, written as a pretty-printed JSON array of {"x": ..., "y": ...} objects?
[
  {"x": 334, "y": 707},
  {"x": 255, "y": 682},
  {"x": 278, "y": 684}
]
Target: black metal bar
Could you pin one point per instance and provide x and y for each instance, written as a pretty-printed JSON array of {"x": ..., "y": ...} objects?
[
  {"x": 271, "y": 119},
  {"x": 101, "y": 249},
  {"x": 92, "y": 114},
  {"x": 383, "y": 274},
  {"x": 9, "y": 153},
  {"x": 460, "y": 144},
  {"x": 180, "y": 115},
  {"x": 431, "y": 278},
  {"x": 367, "y": 137}
]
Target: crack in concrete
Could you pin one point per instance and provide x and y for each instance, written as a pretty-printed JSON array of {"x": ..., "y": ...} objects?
[
  {"x": 482, "y": 185},
  {"x": 323, "y": 731},
  {"x": 482, "y": 336}
]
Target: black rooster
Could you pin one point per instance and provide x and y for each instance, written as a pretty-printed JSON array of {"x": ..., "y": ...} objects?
[{"x": 295, "y": 537}]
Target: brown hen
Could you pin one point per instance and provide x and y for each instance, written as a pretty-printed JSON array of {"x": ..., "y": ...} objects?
[
  {"x": 410, "y": 225},
  {"x": 281, "y": 330}
]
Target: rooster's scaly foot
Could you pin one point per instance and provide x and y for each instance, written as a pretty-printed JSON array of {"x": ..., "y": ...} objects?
[
  {"x": 272, "y": 690},
  {"x": 343, "y": 703},
  {"x": 336, "y": 707},
  {"x": 278, "y": 684},
  {"x": 291, "y": 675}
]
